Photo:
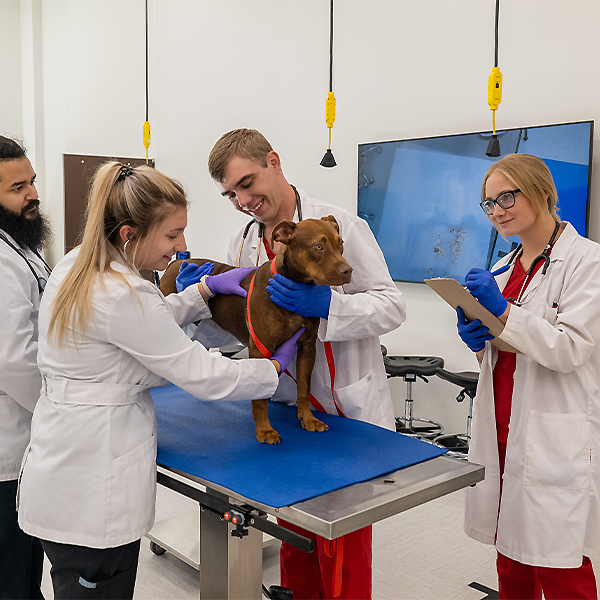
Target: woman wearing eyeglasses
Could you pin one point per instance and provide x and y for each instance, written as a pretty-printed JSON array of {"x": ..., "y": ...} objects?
[{"x": 536, "y": 416}]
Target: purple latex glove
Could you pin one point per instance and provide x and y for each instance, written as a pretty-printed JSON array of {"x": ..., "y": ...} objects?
[
  {"x": 228, "y": 282},
  {"x": 284, "y": 354},
  {"x": 472, "y": 333},
  {"x": 190, "y": 273},
  {"x": 483, "y": 286}
]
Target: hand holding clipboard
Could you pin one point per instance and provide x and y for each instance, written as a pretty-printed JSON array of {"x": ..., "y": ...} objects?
[{"x": 456, "y": 295}]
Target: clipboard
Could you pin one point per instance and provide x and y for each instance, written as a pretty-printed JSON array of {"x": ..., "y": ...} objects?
[{"x": 456, "y": 295}]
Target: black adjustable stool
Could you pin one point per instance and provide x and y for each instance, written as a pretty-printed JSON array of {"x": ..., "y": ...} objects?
[
  {"x": 458, "y": 444},
  {"x": 409, "y": 368}
]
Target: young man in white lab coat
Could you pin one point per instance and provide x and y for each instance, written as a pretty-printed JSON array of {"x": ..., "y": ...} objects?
[
  {"x": 353, "y": 316},
  {"x": 23, "y": 231}
]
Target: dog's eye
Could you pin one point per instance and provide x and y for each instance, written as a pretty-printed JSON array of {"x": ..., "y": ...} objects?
[{"x": 319, "y": 247}]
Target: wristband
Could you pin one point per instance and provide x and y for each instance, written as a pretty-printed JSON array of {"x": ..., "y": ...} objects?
[{"x": 205, "y": 286}]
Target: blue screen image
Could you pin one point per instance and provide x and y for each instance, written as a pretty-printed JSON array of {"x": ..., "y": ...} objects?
[{"x": 421, "y": 197}]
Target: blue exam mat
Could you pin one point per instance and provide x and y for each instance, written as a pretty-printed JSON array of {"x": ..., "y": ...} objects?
[{"x": 216, "y": 441}]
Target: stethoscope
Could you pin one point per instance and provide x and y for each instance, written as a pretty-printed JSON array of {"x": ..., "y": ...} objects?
[
  {"x": 261, "y": 230},
  {"x": 545, "y": 256},
  {"x": 41, "y": 281}
]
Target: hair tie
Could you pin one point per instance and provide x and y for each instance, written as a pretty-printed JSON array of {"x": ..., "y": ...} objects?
[{"x": 124, "y": 171}]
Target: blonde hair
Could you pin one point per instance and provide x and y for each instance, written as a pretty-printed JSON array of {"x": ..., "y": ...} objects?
[
  {"x": 529, "y": 174},
  {"x": 142, "y": 199},
  {"x": 245, "y": 143}
]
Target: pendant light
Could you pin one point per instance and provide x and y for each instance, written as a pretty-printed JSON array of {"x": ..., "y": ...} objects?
[
  {"x": 328, "y": 160},
  {"x": 495, "y": 93}
]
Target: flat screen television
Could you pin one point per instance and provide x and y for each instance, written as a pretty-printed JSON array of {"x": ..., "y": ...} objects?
[{"x": 421, "y": 196}]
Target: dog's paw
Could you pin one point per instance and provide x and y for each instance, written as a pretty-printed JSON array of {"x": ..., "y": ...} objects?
[
  {"x": 268, "y": 436},
  {"x": 313, "y": 425}
]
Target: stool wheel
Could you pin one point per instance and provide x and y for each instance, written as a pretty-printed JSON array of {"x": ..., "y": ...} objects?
[
  {"x": 457, "y": 445},
  {"x": 420, "y": 428}
]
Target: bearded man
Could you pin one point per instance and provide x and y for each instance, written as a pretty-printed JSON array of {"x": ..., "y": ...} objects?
[{"x": 23, "y": 273}]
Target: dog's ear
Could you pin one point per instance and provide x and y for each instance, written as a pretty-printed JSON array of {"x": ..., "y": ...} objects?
[
  {"x": 332, "y": 220},
  {"x": 284, "y": 232}
]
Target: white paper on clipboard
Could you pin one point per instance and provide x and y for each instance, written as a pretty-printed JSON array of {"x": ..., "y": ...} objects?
[{"x": 456, "y": 295}]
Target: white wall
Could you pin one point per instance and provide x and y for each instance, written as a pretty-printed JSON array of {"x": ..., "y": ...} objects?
[
  {"x": 402, "y": 68},
  {"x": 11, "y": 97}
]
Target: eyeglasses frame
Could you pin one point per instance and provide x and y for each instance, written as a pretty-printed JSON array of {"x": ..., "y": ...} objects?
[{"x": 495, "y": 201}]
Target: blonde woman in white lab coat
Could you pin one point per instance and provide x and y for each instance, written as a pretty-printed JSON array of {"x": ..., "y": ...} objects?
[
  {"x": 106, "y": 336},
  {"x": 536, "y": 416}
]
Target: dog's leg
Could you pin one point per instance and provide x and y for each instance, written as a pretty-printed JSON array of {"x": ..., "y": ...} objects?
[
  {"x": 264, "y": 432},
  {"x": 305, "y": 361}
]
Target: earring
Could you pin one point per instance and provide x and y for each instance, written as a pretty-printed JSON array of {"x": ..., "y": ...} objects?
[{"x": 125, "y": 248}]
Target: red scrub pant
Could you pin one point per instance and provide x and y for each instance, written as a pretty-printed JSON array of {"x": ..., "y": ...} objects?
[
  {"x": 517, "y": 581},
  {"x": 339, "y": 568}
]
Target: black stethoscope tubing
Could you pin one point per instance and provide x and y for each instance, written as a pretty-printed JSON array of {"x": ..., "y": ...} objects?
[
  {"x": 22, "y": 254},
  {"x": 261, "y": 228},
  {"x": 545, "y": 256}
]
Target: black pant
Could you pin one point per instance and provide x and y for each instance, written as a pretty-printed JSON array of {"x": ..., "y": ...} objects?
[
  {"x": 81, "y": 573},
  {"x": 21, "y": 556}
]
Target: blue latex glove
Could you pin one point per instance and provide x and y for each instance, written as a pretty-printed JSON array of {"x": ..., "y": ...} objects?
[
  {"x": 306, "y": 299},
  {"x": 190, "y": 273},
  {"x": 483, "y": 286},
  {"x": 472, "y": 333},
  {"x": 228, "y": 282},
  {"x": 284, "y": 354}
]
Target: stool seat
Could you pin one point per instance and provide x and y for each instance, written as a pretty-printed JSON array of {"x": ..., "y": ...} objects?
[
  {"x": 400, "y": 366},
  {"x": 464, "y": 379}
]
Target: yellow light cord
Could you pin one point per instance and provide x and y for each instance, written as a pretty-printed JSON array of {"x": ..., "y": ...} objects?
[{"x": 494, "y": 121}]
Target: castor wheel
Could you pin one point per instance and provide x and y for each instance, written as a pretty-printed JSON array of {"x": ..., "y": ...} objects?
[
  {"x": 156, "y": 549},
  {"x": 277, "y": 592}
]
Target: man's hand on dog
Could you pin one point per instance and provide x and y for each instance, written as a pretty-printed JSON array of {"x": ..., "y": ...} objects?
[{"x": 306, "y": 299}]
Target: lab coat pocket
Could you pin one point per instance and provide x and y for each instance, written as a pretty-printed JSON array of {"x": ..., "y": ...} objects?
[
  {"x": 557, "y": 451},
  {"x": 551, "y": 314},
  {"x": 354, "y": 399},
  {"x": 132, "y": 489}
]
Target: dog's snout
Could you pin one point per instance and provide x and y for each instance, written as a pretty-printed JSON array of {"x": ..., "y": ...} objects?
[{"x": 344, "y": 272}]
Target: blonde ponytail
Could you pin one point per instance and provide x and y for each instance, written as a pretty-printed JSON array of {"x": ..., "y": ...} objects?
[{"x": 142, "y": 199}]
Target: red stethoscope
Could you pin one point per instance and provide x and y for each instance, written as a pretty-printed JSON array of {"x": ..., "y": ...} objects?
[{"x": 545, "y": 256}]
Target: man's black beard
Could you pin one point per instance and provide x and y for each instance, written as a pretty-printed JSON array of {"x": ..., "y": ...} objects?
[{"x": 28, "y": 233}]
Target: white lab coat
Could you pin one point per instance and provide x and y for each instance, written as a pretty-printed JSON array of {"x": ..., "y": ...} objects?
[
  {"x": 89, "y": 475},
  {"x": 20, "y": 379},
  {"x": 369, "y": 306},
  {"x": 550, "y": 510}
]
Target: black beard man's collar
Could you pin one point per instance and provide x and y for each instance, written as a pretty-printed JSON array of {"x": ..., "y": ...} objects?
[{"x": 28, "y": 233}]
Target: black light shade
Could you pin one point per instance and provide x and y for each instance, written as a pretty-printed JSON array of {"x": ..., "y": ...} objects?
[
  {"x": 493, "y": 148},
  {"x": 328, "y": 160}
]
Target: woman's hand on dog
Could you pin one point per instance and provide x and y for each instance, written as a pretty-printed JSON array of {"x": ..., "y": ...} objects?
[
  {"x": 286, "y": 351},
  {"x": 228, "y": 282},
  {"x": 190, "y": 273}
]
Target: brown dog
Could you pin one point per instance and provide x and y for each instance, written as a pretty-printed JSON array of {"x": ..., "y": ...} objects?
[{"x": 311, "y": 252}]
